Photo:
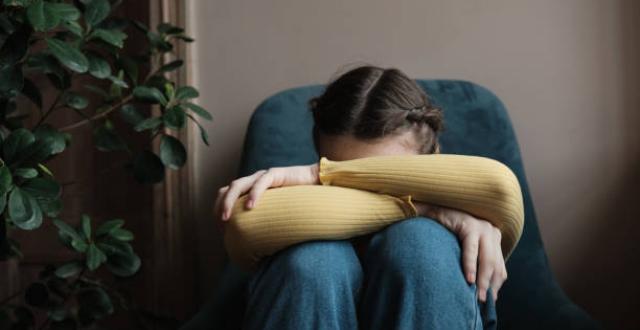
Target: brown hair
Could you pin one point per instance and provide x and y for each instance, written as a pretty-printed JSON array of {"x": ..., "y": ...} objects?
[{"x": 371, "y": 102}]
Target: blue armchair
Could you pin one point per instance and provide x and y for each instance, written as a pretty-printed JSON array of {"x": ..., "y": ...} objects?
[{"x": 477, "y": 123}]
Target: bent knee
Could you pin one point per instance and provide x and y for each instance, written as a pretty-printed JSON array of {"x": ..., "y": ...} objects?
[
  {"x": 419, "y": 245},
  {"x": 319, "y": 261}
]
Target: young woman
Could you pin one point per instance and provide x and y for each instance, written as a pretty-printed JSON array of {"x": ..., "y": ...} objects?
[{"x": 331, "y": 245}]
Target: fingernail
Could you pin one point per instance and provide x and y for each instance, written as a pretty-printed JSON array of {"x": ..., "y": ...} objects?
[
  {"x": 471, "y": 277},
  {"x": 250, "y": 203},
  {"x": 482, "y": 295},
  {"x": 225, "y": 215}
]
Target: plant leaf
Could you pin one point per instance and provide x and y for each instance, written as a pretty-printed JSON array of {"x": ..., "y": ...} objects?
[
  {"x": 41, "y": 16},
  {"x": 76, "y": 101},
  {"x": 148, "y": 168},
  {"x": 69, "y": 269},
  {"x": 26, "y": 173},
  {"x": 14, "y": 47},
  {"x": 112, "y": 37},
  {"x": 86, "y": 226},
  {"x": 24, "y": 210},
  {"x": 112, "y": 247},
  {"x": 108, "y": 226},
  {"x": 66, "y": 232},
  {"x": 17, "y": 3},
  {"x": 149, "y": 94},
  {"x": 19, "y": 207},
  {"x": 74, "y": 27},
  {"x": 80, "y": 245},
  {"x": 94, "y": 304},
  {"x": 96, "y": 11},
  {"x": 95, "y": 257},
  {"x": 149, "y": 123},
  {"x": 203, "y": 133},
  {"x": 106, "y": 139},
  {"x": 167, "y": 28},
  {"x": 43, "y": 188},
  {"x": 130, "y": 67},
  {"x": 119, "y": 81},
  {"x": 198, "y": 110},
  {"x": 174, "y": 117},
  {"x": 51, "y": 136},
  {"x": 123, "y": 265},
  {"x": 185, "y": 38},
  {"x": 171, "y": 66},
  {"x": 11, "y": 79},
  {"x": 131, "y": 115},
  {"x": 68, "y": 55},
  {"x": 186, "y": 92},
  {"x": 121, "y": 235},
  {"x": 172, "y": 152},
  {"x": 50, "y": 207},
  {"x": 99, "y": 67},
  {"x": 3, "y": 202},
  {"x": 17, "y": 142},
  {"x": 6, "y": 181},
  {"x": 64, "y": 11}
]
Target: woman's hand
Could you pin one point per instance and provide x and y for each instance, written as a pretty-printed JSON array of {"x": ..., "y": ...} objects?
[
  {"x": 260, "y": 181},
  {"x": 482, "y": 259}
]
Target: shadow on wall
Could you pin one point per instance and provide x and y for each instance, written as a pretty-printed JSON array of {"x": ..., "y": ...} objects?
[
  {"x": 612, "y": 253},
  {"x": 609, "y": 264}
]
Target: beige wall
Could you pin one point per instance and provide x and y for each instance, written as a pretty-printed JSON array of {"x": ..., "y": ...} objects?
[{"x": 566, "y": 71}]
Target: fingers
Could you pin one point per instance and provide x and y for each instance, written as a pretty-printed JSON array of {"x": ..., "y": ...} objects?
[
  {"x": 482, "y": 259},
  {"x": 486, "y": 268},
  {"x": 237, "y": 188},
  {"x": 262, "y": 184},
  {"x": 470, "y": 247},
  {"x": 216, "y": 207},
  {"x": 500, "y": 273}
]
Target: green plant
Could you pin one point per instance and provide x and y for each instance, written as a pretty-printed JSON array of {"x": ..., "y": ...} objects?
[{"x": 62, "y": 42}]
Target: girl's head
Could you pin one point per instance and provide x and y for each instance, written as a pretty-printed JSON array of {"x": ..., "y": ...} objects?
[{"x": 370, "y": 111}]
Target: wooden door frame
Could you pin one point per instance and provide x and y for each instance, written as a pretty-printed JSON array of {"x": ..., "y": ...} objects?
[{"x": 175, "y": 264}]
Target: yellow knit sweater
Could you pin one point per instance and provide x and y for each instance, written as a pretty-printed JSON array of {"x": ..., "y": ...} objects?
[{"x": 362, "y": 196}]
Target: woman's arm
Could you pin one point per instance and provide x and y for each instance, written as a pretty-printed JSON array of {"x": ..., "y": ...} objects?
[
  {"x": 479, "y": 186},
  {"x": 290, "y": 215}
]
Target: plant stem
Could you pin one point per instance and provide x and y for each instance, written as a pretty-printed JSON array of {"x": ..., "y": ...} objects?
[
  {"x": 73, "y": 287},
  {"x": 98, "y": 116},
  {"x": 11, "y": 297},
  {"x": 51, "y": 109}
]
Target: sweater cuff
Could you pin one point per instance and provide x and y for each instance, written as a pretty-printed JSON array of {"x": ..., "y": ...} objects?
[
  {"x": 324, "y": 171},
  {"x": 408, "y": 207}
]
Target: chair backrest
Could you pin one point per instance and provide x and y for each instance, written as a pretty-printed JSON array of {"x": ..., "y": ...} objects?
[{"x": 476, "y": 123}]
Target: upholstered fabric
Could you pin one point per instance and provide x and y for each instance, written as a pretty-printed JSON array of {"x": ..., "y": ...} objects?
[{"x": 477, "y": 123}]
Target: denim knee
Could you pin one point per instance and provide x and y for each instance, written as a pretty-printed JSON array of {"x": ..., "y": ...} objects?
[
  {"x": 417, "y": 247},
  {"x": 312, "y": 285},
  {"x": 320, "y": 264}
]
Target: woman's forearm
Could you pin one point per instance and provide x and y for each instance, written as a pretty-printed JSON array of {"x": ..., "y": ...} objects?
[
  {"x": 290, "y": 215},
  {"x": 286, "y": 216},
  {"x": 480, "y": 186}
]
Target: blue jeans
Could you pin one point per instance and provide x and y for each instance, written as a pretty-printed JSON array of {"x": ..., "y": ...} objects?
[{"x": 409, "y": 277}]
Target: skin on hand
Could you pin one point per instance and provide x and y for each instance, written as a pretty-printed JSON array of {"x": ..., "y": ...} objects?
[
  {"x": 258, "y": 183},
  {"x": 482, "y": 259}
]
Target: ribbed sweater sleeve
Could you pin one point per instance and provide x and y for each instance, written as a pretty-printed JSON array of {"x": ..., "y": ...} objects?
[
  {"x": 290, "y": 215},
  {"x": 356, "y": 198},
  {"x": 479, "y": 186}
]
